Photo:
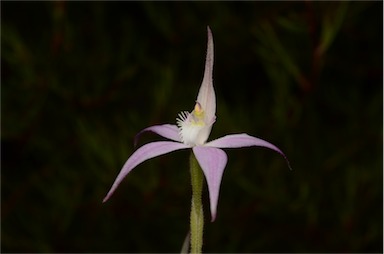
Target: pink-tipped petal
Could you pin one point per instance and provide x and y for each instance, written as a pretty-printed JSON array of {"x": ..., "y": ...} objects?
[
  {"x": 206, "y": 96},
  {"x": 144, "y": 153},
  {"x": 168, "y": 131},
  {"x": 212, "y": 161},
  {"x": 243, "y": 140}
]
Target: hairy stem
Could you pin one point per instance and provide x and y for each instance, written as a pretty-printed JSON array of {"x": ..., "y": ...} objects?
[{"x": 197, "y": 215}]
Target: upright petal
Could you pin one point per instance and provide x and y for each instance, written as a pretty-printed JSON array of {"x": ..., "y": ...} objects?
[
  {"x": 206, "y": 96},
  {"x": 169, "y": 131},
  {"x": 144, "y": 153},
  {"x": 212, "y": 161},
  {"x": 243, "y": 140}
]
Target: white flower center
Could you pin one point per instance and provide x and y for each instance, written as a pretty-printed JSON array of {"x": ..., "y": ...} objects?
[{"x": 191, "y": 126}]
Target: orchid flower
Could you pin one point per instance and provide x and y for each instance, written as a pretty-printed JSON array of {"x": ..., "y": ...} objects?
[{"x": 192, "y": 131}]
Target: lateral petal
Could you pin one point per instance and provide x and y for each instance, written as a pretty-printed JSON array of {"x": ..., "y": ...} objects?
[
  {"x": 168, "y": 131},
  {"x": 144, "y": 153},
  {"x": 212, "y": 161},
  {"x": 243, "y": 140}
]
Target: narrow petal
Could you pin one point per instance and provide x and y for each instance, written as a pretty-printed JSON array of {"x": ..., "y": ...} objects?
[
  {"x": 168, "y": 131},
  {"x": 144, "y": 153},
  {"x": 243, "y": 140},
  {"x": 206, "y": 96},
  {"x": 212, "y": 161}
]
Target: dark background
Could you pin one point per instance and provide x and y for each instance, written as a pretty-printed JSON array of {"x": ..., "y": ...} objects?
[{"x": 80, "y": 79}]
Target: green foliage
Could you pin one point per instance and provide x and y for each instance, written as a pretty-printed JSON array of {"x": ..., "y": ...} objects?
[{"x": 80, "y": 79}]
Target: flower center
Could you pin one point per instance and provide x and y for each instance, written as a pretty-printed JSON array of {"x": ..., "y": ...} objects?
[{"x": 190, "y": 125}]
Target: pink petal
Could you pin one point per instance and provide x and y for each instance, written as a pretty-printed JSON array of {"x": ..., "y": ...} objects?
[
  {"x": 206, "y": 96},
  {"x": 212, "y": 161},
  {"x": 144, "y": 153},
  {"x": 168, "y": 131},
  {"x": 243, "y": 140}
]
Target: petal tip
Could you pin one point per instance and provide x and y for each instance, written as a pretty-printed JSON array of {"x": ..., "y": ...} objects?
[
  {"x": 289, "y": 165},
  {"x": 109, "y": 194},
  {"x": 209, "y": 30}
]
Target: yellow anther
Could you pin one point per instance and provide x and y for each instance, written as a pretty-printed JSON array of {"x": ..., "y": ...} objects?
[{"x": 198, "y": 110}]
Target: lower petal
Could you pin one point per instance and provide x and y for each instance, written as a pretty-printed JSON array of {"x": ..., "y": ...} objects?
[
  {"x": 144, "y": 153},
  {"x": 212, "y": 161}
]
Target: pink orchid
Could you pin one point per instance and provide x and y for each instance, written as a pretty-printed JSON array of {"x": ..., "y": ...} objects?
[{"x": 192, "y": 131}]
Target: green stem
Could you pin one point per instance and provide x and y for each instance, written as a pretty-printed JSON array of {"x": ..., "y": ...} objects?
[{"x": 197, "y": 215}]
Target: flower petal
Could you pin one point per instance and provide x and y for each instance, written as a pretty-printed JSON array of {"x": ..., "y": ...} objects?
[
  {"x": 206, "y": 96},
  {"x": 212, "y": 161},
  {"x": 144, "y": 153},
  {"x": 169, "y": 131},
  {"x": 243, "y": 140}
]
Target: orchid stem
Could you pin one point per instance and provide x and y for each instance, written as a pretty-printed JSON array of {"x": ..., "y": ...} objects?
[{"x": 197, "y": 215}]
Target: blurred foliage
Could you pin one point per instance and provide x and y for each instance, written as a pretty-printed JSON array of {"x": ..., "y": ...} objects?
[{"x": 80, "y": 79}]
